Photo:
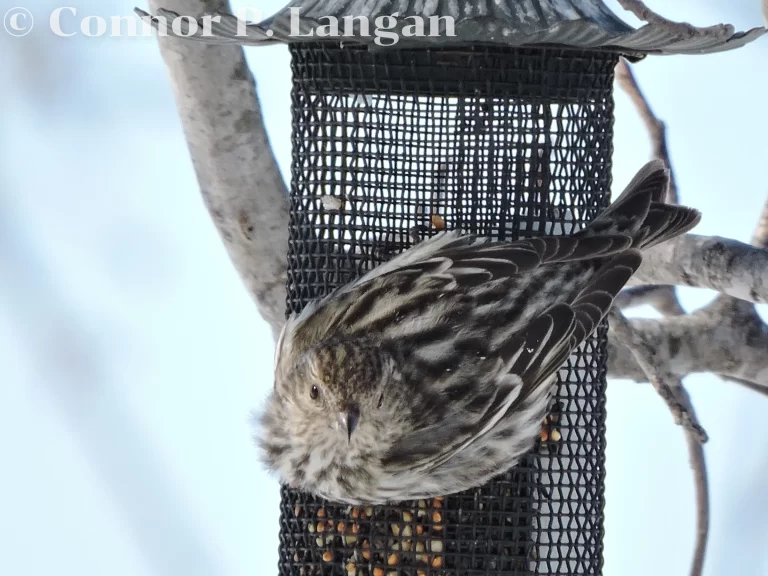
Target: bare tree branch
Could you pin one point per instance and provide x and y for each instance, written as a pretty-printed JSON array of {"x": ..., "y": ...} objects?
[
  {"x": 746, "y": 384},
  {"x": 734, "y": 346},
  {"x": 701, "y": 488},
  {"x": 686, "y": 262},
  {"x": 686, "y": 30},
  {"x": 661, "y": 297},
  {"x": 669, "y": 387},
  {"x": 721, "y": 264},
  {"x": 727, "y": 338},
  {"x": 239, "y": 178},
  {"x": 647, "y": 359},
  {"x": 657, "y": 130}
]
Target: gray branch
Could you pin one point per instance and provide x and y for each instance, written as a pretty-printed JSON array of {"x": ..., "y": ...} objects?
[
  {"x": 654, "y": 367},
  {"x": 239, "y": 178},
  {"x": 721, "y": 264},
  {"x": 701, "y": 487},
  {"x": 734, "y": 345},
  {"x": 661, "y": 297},
  {"x": 713, "y": 260}
]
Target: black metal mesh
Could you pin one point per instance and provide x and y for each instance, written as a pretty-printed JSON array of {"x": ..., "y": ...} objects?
[{"x": 391, "y": 146}]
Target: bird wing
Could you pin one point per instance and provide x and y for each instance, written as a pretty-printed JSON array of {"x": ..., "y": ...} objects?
[
  {"x": 528, "y": 361},
  {"x": 446, "y": 262}
]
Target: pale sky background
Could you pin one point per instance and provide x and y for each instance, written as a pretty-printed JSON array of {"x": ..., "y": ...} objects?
[{"x": 131, "y": 354}]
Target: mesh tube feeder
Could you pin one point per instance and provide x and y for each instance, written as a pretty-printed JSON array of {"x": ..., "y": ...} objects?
[
  {"x": 393, "y": 145},
  {"x": 504, "y": 129}
]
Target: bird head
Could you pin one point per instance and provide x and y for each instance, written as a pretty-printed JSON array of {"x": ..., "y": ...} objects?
[{"x": 345, "y": 382}]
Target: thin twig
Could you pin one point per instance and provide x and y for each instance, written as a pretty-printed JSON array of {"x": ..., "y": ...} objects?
[
  {"x": 760, "y": 237},
  {"x": 641, "y": 11},
  {"x": 668, "y": 387},
  {"x": 656, "y": 128},
  {"x": 746, "y": 383},
  {"x": 765, "y": 11},
  {"x": 701, "y": 487},
  {"x": 664, "y": 299},
  {"x": 671, "y": 389}
]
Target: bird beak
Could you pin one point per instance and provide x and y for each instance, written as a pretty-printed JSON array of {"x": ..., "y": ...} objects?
[{"x": 348, "y": 420}]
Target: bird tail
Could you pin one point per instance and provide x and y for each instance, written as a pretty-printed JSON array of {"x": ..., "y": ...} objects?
[{"x": 641, "y": 212}]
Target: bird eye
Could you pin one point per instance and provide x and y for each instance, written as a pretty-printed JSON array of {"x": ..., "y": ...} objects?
[
  {"x": 314, "y": 392},
  {"x": 381, "y": 401}
]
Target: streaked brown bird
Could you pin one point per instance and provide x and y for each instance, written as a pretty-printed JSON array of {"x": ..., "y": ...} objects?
[{"x": 431, "y": 373}]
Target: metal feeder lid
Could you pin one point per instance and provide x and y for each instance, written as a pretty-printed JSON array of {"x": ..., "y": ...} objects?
[{"x": 584, "y": 24}]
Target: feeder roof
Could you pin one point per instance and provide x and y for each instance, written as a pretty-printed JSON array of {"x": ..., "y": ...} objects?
[{"x": 564, "y": 23}]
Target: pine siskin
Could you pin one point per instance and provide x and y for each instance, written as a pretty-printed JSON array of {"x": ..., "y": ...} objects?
[{"x": 431, "y": 374}]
